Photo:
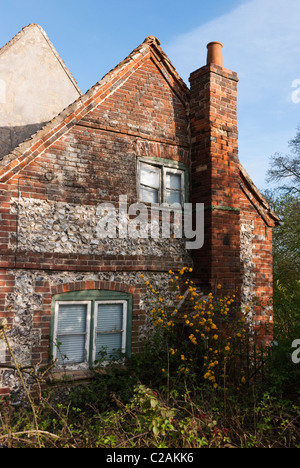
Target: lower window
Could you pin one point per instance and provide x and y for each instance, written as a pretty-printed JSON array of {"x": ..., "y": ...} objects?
[{"x": 87, "y": 331}]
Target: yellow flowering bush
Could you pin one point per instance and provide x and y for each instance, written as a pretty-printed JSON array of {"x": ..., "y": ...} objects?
[{"x": 204, "y": 333}]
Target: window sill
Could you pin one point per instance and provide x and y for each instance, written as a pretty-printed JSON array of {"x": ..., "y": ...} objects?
[{"x": 70, "y": 376}]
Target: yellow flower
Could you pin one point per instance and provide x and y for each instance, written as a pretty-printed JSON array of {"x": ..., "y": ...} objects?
[
  {"x": 219, "y": 286},
  {"x": 215, "y": 337},
  {"x": 160, "y": 299},
  {"x": 193, "y": 340},
  {"x": 142, "y": 276}
]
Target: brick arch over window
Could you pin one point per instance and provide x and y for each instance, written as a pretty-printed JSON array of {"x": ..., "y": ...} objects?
[
  {"x": 90, "y": 285},
  {"x": 104, "y": 286},
  {"x": 138, "y": 314}
]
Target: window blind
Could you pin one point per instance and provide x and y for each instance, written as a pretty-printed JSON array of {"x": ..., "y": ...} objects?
[
  {"x": 71, "y": 333},
  {"x": 110, "y": 329}
]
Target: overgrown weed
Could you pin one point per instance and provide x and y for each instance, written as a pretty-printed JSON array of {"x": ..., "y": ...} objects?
[{"x": 188, "y": 388}]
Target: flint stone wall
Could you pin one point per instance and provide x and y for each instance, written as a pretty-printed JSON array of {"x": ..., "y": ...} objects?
[
  {"x": 248, "y": 265},
  {"x": 26, "y": 302},
  {"x": 46, "y": 226}
]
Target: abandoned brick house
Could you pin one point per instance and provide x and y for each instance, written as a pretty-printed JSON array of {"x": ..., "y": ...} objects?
[{"x": 140, "y": 132}]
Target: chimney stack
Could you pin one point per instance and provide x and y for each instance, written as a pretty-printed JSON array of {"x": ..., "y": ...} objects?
[{"x": 215, "y": 170}]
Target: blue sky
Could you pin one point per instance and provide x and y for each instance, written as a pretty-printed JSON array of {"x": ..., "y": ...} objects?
[{"x": 261, "y": 43}]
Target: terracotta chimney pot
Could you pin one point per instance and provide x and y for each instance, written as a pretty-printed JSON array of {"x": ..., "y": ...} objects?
[{"x": 214, "y": 53}]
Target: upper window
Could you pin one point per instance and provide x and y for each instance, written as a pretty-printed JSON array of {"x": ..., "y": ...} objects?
[
  {"x": 85, "y": 331},
  {"x": 161, "y": 184}
]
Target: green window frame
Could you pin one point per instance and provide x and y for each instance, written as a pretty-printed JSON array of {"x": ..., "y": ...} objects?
[
  {"x": 158, "y": 187},
  {"x": 82, "y": 320}
]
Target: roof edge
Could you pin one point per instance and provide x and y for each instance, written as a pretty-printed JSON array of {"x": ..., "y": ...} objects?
[
  {"x": 154, "y": 43},
  {"x": 258, "y": 195}
]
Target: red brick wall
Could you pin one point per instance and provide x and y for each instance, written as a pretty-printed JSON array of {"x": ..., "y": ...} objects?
[
  {"x": 231, "y": 203},
  {"x": 89, "y": 157},
  {"x": 87, "y": 163},
  {"x": 95, "y": 160},
  {"x": 260, "y": 262},
  {"x": 215, "y": 174},
  {"x": 4, "y": 392}
]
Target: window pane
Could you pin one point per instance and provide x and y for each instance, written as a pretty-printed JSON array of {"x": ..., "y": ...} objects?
[
  {"x": 71, "y": 349},
  {"x": 149, "y": 195},
  {"x": 71, "y": 333},
  {"x": 72, "y": 318},
  {"x": 173, "y": 196},
  {"x": 109, "y": 329},
  {"x": 173, "y": 181},
  {"x": 110, "y": 344},
  {"x": 110, "y": 317}
]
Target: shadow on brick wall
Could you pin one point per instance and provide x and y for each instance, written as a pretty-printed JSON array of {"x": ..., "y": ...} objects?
[{"x": 11, "y": 137}]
